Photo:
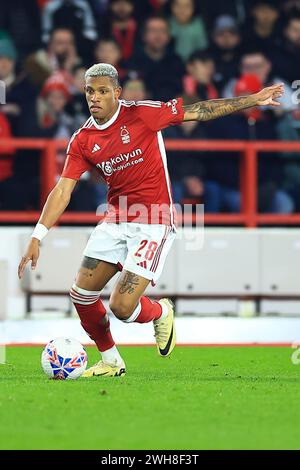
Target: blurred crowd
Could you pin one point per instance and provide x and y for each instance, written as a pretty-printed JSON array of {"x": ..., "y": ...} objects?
[{"x": 197, "y": 49}]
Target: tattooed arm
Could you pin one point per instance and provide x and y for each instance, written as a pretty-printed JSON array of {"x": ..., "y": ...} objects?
[{"x": 212, "y": 109}]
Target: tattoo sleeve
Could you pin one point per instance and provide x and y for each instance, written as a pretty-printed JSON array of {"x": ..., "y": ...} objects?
[
  {"x": 212, "y": 109},
  {"x": 128, "y": 283}
]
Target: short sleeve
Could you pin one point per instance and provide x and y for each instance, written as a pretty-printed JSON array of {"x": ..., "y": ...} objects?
[
  {"x": 158, "y": 115},
  {"x": 75, "y": 164}
]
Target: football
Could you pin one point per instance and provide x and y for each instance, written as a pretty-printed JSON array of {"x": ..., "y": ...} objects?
[{"x": 64, "y": 358}]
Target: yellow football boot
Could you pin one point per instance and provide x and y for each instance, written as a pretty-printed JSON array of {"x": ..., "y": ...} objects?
[
  {"x": 105, "y": 370},
  {"x": 164, "y": 330}
]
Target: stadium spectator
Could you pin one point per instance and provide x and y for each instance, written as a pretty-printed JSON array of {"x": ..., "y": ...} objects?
[
  {"x": 20, "y": 94},
  {"x": 257, "y": 63},
  {"x": 8, "y": 57},
  {"x": 291, "y": 180},
  {"x": 134, "y": 89},
  {"x": 161, "y": 68},
  {"x": 22, "y": 20},
  {"x": 250, "y": 124},
  {"x": 262, "y": 30},
  {"x": 187, "y": 29},
  {"x": 225, "y": 49},
  {"x": 120, "y": 24},
  {"x": 19, "y": 112},
  {"x": 286, "y": 62},
  {"x": 52, "y": 102},
  {"x": 75, "y": 15},
  {"x": 16, "y": 191},
  {"x": 210, "y": 10},
  {"x": 199, "y": 84},
  {"x": 61, "y": 54},
  {"x": 18, "y": 182},
  {"x": 6, "y": 166},
  {"x": 77, "y": 106},
  {"x": 109, "y": 51},
  {"x": 189, "y": 172},
  {"x": 284, "y": 120}
]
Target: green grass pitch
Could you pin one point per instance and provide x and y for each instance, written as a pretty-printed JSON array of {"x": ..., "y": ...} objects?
[{"x": 200, "y": 398}]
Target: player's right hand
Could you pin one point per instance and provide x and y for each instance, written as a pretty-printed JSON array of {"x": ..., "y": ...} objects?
[{"x": 32, "y": 254}]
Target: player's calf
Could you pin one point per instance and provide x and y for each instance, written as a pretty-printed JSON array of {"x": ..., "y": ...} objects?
[
  {"x": 161, "y": 313},
  {"x": 95, "y": 322},
  {"x": 145, "y": 311},
  {"x": 121, "y": 309}
]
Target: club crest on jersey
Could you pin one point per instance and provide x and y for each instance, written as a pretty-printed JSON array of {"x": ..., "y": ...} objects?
[{"x": 125, "y": 136}]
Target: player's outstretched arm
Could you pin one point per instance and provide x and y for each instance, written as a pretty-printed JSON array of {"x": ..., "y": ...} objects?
[
  {"x": 212, "y": 109},
  {"x": 55, "y": 205}
]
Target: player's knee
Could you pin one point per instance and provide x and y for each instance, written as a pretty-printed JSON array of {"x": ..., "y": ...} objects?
[{"x": 121, "y": 310}]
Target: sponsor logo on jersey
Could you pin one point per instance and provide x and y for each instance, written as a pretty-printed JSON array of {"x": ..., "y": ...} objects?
[
  {"x": 96, "y": 148},
  {"x": 173, "y": 104},
  {"x": 106, "y": 167},
  {"x": 125, "y": 136},
  {"x": 120, "y": 162}
]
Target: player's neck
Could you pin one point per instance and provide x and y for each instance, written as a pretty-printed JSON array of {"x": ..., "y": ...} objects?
[{"x": 108, "y": 117}]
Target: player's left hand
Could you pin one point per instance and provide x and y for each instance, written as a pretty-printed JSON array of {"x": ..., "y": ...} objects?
[{"x": 268, "y": 96}]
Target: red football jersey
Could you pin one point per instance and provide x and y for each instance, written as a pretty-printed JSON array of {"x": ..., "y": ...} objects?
[{"x": 130, "y": 155}]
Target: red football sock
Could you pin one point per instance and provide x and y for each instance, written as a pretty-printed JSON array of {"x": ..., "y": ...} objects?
[
  {"x": 150, "y": 310},
  {"x": 96, "y": 323}
]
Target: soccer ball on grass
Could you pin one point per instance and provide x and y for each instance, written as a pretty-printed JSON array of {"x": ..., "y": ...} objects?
[{"x": 64, "y": 358}]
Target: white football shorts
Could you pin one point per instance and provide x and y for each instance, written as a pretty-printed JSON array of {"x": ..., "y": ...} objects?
[{"x": 139, "y": 248}]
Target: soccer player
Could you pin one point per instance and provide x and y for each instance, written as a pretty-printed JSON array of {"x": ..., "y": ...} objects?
[{"x": 122, "y": 139}]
